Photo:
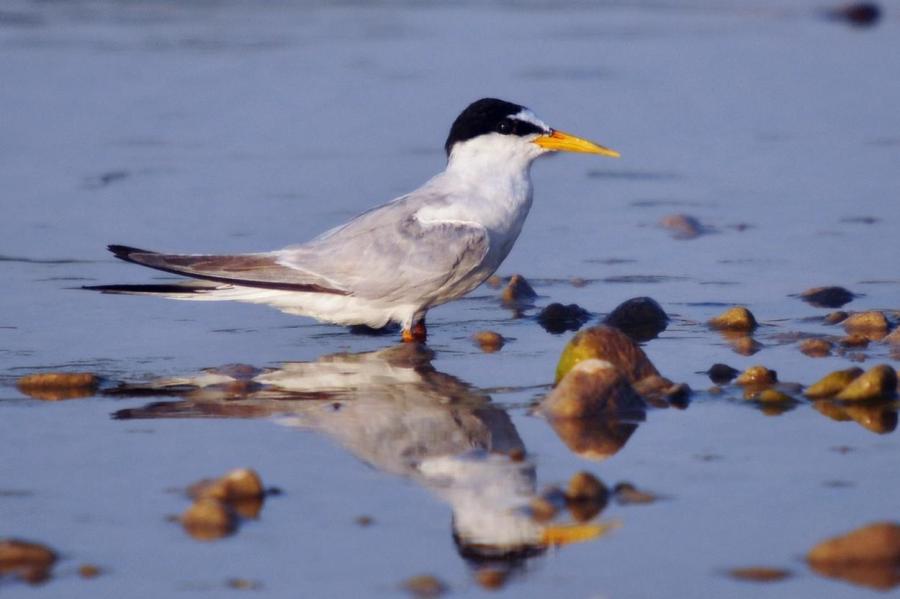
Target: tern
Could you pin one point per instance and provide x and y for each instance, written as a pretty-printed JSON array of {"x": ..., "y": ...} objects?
[{"x": 396, "y": 261}]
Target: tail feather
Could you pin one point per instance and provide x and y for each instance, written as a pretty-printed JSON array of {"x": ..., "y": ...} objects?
[{"x": 187, "y": 288}]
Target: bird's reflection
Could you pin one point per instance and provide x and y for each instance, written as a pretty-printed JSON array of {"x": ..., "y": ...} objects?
[{"x": 393, "y": 410}]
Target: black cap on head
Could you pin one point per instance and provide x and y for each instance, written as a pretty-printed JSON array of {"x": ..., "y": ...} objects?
[{"x": 488, "y": 115}]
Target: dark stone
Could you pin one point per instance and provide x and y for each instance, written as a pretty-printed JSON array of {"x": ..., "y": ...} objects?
[
  {"x": 641, "y": 318},
  {"x": 721, "y": 373},
  {"x": 827, "y": 297},
  {"x": 557, "y": 318}
]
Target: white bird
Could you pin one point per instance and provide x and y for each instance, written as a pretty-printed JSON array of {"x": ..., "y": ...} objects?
[{"x": 394, "y": 262}]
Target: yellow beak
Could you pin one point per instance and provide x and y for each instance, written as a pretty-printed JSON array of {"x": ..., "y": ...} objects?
[{"x": 559, "y": 141}]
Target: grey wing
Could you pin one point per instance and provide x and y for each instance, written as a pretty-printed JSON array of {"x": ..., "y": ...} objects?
[
  {"x": 249, "y": 270},
  {"x": 390, "y": 254}
]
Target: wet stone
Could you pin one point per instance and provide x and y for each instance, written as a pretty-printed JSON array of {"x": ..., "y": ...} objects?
[
  {"x": 518, "y": 293},
  {"x": 558, "y": 318},
  {"x": 364, "y": 521},
  {"x": 89, "y": 571},
  {"x": 627, "y": 494},
  {"x": 827, "y": 297},
  {"x": 816, "y": 348},
  {"x": 757, "y": 376},
  {"x": 491, "y": 578},
  {"x": 857, "y": 14},
  {"x": 738, "y": 318},
  {"x": 875, "y": 543},
  {"x": 592, "y": 388},
  {"x": 30, "y": 562},
  {"x": 55, "y": 386},
  {"x": 682, "y": 226},
  {"x": 833, "y": 383},
  {"x": 835, "y": 317},
  {"x": 759, "y": 574},
  {"x": 855, "y": 340},
  {"x": 871, "y": 321},
  {"x": 489, "y": 341},
  {"x": 608, "y": 344},
  {"x": 773, "y": 396},
  {"x": 584, "y": 486},
  {"x": 208, "y": 520},
  {"x": 243, "y": 584},
  {"x": 641, "y": 318},
  {"x": 721, "y": 373},
  {"x": 879, "y": 382}
]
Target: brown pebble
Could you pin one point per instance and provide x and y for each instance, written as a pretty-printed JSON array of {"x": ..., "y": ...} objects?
[
  {"x": 682, "y": 226},
  {"x": 742, "y": 344},
  {"x": 854, "y": 340},
  {"x": 875, "y": 543},
  {"x": 879, "y": 419},
  {"x": 208, "y": 519},
  {"x": 584, "y": 486},
  {"x": 757, "y": 375},
  {"x": 832, "y": 383},
  {"x": 628, "y": 494},
  {"x": 243, "y": 584},
  {"x": 424, "y": 586},
  {"x": 738, "y": 318},
  {"x": 759, "y": 574},
  {"x": 55, "y": 386},
  {"x": 28, "y": 561},
  {"x": 491, "y": 578},
  {"x": 518, "y": 292},
  {"x": 835, "y": 317},
  {"x": 879, "y": 382},
  {"x": 241, "y": 483},
  {"x": 592, "y": 388},
  {"x": 364, "y": 520},
  {"x": 816, "y": 348},
  {"x": 871, "y": 321},
  {"x": 489, "y": 341},
  {"x": 89, "y": 571},
  {"x": 609, "y": 344},
  {"x": 773, "y": 396}
]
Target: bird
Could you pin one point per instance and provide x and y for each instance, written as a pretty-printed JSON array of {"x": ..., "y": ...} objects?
[{"x": 394, "y": 262}]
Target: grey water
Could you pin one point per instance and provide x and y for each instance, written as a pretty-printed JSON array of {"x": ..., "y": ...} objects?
[{"x": 226, "y": 126}]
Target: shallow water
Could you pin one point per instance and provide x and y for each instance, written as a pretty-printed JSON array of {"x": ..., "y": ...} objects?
[{"x": 225, "y": 127}]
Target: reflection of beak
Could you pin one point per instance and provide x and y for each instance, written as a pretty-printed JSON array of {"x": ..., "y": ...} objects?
[
  {"x": 558, "y": 141},
  {"x": 574, "y": 533}
]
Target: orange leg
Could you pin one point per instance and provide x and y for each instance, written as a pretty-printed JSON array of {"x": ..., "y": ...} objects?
[{"x": 417, "y": 334}]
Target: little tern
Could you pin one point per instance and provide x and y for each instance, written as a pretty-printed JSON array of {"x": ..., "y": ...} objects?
[{"x": 396, "y": 261}]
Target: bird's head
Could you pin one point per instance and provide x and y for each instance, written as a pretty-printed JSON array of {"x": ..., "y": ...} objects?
[{"x": 506, "y": 131}]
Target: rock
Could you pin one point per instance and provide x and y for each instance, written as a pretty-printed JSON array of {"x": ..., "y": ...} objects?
[
  {"x": 518, "y": 293},
  {"x": 877, "y": 543},
  {"x": 31, "y": 562},
  {"x": 54, "y": 386},
  {"x": 89, "y": 571},
  {"x": 738, "y": 318},
  {"x": 594, "y": 438},
  {"x": 759, "y": 574},
  {"x": 721, "y": 373},
  {"x": 364, "y": 520},
  {"x": 866, "y": 322},
  {"x": 827, "y": 297},
  {"x": 816, "y": 348},
  {"x": 855, "y": 340},
  {"x": 833, "y": 383},
  {"x": 592, "y": 388},
  {"x": 742, "y": 343},
  {"x": 208, "y": 519},
  {"x": 242, "y": 483},
  {"x": 878, "y": 419},
  {"x": 757, "y": 376},
  {"x": 770, "y": 395},
  {"x": 424, "y": 586},
  {"x": 243, "y": 584},
  {"x": 628, "y": 494},
  {"x": 608, "y": 344},
  {"x": 491, "y": 578},
  {"x": 489, "y": 341},
  {"x": 682, "y": 226},
  {"x": 557, "y": 318},
  {"x": 660, "y": 392},
  {"x": 584, "y": 486},
  {"x": 893, "y": 338},
  {"x": 835, "y": 317},
  {"x": 879, "y": 382},
  {"x": 857, "y": 14},
  {"x": 641, "y": 318}
]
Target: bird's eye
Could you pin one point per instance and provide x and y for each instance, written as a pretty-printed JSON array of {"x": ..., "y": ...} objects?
[{"x": 504, "y": 127}]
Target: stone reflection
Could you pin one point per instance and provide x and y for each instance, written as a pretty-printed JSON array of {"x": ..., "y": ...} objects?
[{"x": 393, "y": 410}]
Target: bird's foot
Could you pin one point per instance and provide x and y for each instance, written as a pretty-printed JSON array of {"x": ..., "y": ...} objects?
[{"x": 417, "y": 334}]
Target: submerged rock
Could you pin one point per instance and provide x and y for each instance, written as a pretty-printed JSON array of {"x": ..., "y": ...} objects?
[
  {"x": 424, "y": 586},
  {"x": 489, "y": 341},
  {"x": 592, "y": 388},
  {"x": 827, "y": 297},
  {"x": 584, "y": 486},
  {"x": 641, "y": 318},
  {"x": 594, "y": 438},
  {"x": 738, "y": 318},
  {"x": 832, "y": 383},
  {"x": 242, "y": 483},
  {"x": 835, "y": 317},
  {"x": 855, "y": 341},
  {"x": 558, "y": 318},
  {"x": 627, "y": 494},
  {"x": 518, "y": 293},
  {"x": 875, "y": 546},
  {"x": 89, "y": 571},
  {"x": 491, "y": 578},
  {"x": 857, "y": 14},
  {"x": 759, "y": 574},
  {"x": 31, "y": 562},
  {"x": 866, "y": 322},
  {"x": 757, "y": 376},
  {"x": 682, "y": 226},
  {"x": 609, "y": 344},
  {"x": 879, "y": 382},
  {"x": 209, "y": 519},
  {"x": 816, "y": 348},
  {"x": 721, "y": 373},
  {"x": 54, "y": 386}
]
